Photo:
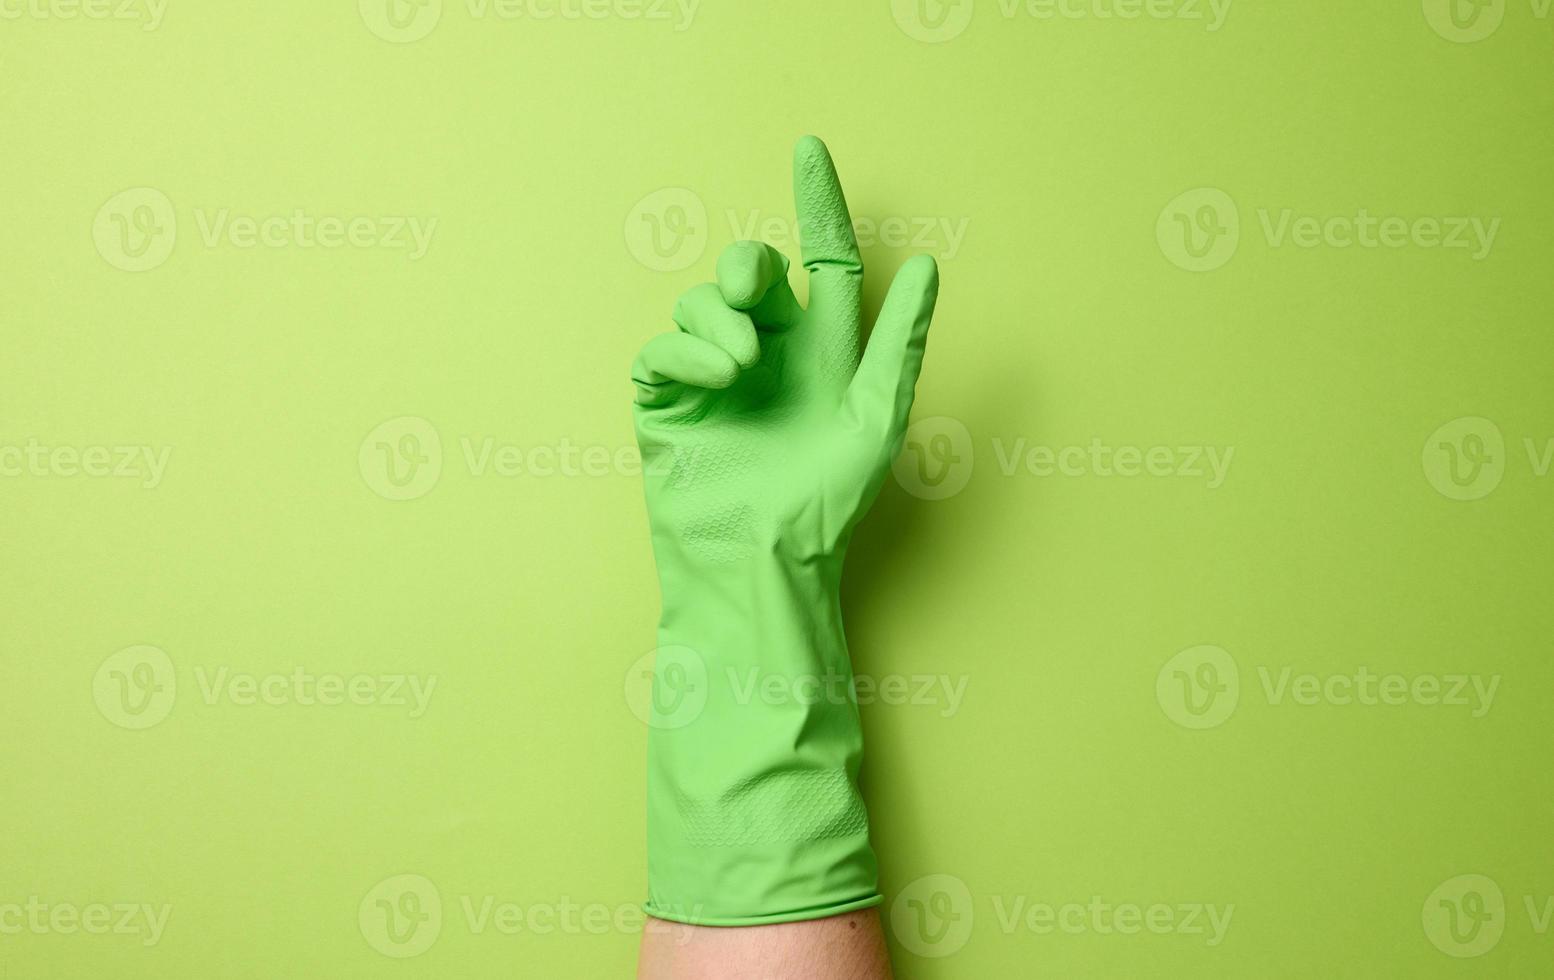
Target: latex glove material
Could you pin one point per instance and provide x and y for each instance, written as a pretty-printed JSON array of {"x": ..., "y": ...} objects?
[{"x": 766, "y": 439}]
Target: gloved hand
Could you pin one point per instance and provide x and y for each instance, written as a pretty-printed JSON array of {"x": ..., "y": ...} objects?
[{"x": 767, "y": 439}]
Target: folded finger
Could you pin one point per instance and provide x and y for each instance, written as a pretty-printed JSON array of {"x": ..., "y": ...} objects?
[
  {"x": 701, "y": 312},
  {"x": 672, "y": 362}
]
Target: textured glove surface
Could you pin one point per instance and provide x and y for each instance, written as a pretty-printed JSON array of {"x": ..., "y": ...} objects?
[{"x": 767, "y": 438}]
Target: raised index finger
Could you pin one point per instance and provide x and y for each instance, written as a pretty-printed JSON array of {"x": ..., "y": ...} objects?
[
  {"x": 825, "y": 227},
  {"x": 830, "y": 253},
  {"x": 826, "y": 238}
]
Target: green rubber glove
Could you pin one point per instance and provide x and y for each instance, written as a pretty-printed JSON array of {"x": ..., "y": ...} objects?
[{"x": 774, "y": 438}]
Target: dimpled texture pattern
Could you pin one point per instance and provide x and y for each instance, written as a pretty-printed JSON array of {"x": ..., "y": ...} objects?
[
  {"x": 722, "y": 536},
  {"x": 715, "y": 524},
  {"x": 830, "y": 234},
  {"x": 718, "y": 513},
  {"x": 779, "y": 806}
]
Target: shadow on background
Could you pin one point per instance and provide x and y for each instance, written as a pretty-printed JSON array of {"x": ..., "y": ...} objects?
[{"x": 903, "y": 541}]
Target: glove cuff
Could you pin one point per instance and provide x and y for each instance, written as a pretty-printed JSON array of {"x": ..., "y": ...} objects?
[{"x": 754, "y": 814}]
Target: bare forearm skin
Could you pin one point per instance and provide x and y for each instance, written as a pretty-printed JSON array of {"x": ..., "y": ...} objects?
[{"x": 842, "y": 947}]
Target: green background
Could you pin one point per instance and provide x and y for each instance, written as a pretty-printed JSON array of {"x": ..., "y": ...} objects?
[{"x": 1056, "y": 145}]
